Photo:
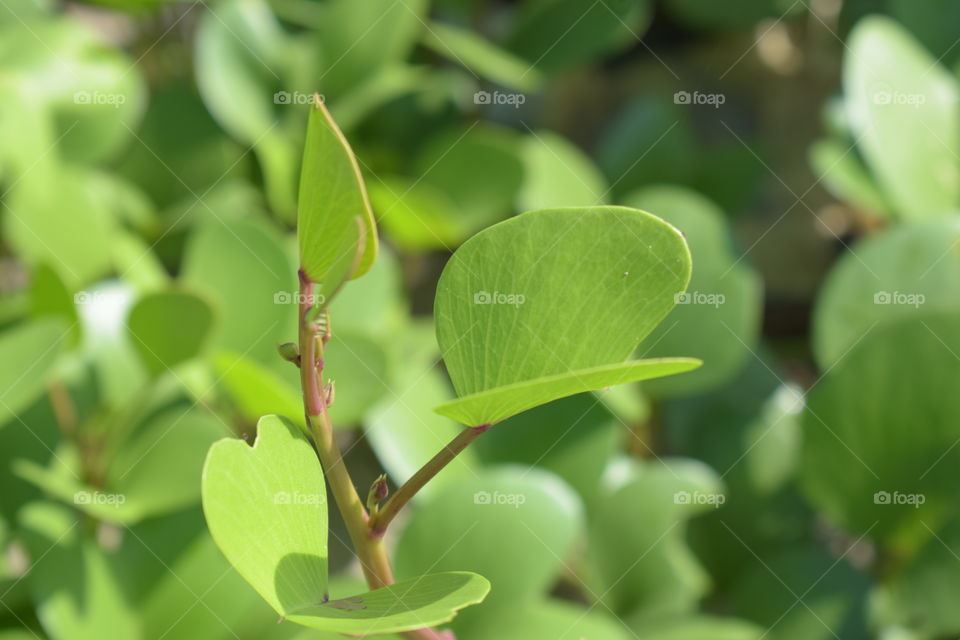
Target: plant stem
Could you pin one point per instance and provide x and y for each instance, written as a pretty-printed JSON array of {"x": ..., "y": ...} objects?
[
  {"x": 380, "y": 522},
  {"x": 370, "y": 551},
  {"x": 369, "y": 548}
]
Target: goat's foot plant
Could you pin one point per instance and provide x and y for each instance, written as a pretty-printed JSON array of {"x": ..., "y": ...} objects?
[{"x": 548, "y": 304}]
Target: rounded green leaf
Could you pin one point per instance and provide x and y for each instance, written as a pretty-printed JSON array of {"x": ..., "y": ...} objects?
[
  {"x": 244, "y": 270},
  {"x": 493, "y": 523},
  {"x": 887, "y": 467},
  {"x": 454, "y": 161},
  {"x": 168, "y": 328},
  {"x": 558, "y": 174},
  {"x": 332, "y": 200},
  {"x": 903, "y": 110},
  {"x": 897, "y": 274},
  {"x": 554, "y": 302},
  {"x": 642, "y": 515}
]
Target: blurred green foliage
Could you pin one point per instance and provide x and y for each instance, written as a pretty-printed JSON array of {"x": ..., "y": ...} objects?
[{"x": 149, "y": 156}]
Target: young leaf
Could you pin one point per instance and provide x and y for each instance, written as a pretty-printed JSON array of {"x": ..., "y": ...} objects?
[
  {"x": 266, "y": 510},
  {"x": 332, "y": 196},
  {"x": 168, "y": 328},
  {"x": 553, "y": 303}
]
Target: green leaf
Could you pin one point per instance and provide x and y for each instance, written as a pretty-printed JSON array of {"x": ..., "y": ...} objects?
[
  {"x": 642, "y": 515},
  {"x": 365, "y": 38},
  {"x": 590, "y": 436},
  {"x": 175, "y": 439},
  {"x": 414, "y": 603},
  {"x": 197, "y": 594},
  {"x": 558, "y": 174},
  {"x": 49, "y": 296},
  {"x": 73, "y": 583},
  {"x": 834, "y": 595},
  {"x": 29, "y": 352},
  {"x": 266, "y": 510},
  {"x": 718, "y": 319},
  {"x": 737, "y": 13},
  {"x": 481, "y": 57},
  {"x": 332, "y": 198},
  {"x": 452, "y": 160},
  {"x": 554, "y": 34},
  {"x": 894, "y": 275},
  {"x": 887, "y": 467},
  {"x": 257, "y": 390},
  {"x": 492, "y": 523},
  {"x": 921, "y": 595},
  {"x": 903, "y": 110},
  {"x": 66, "y": 227},
  {"x": 416, "y": 215},
  {"x": 168, "y": 328},
  {"x": 553, "y": 303},
  {"x": 244, "y": 270},
  {"x": 242, "y": 58},
  {"x": 697, "y": 627},
  {"x": 550, "y": 619}
]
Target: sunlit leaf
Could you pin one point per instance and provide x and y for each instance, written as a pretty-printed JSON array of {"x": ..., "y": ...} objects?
[
  {"x": 332, "y": 201},
  {"x": 610, "y": 273}
]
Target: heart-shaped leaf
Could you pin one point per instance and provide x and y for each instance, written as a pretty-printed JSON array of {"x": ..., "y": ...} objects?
[
  {"x": 332, "y": 197},
  {"x": 553, "y": 303},
  {"x": 266, "y": 510}
]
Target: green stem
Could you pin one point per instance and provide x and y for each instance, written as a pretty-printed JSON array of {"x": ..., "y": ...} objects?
[
  {"x": 370, "y": 549},
  {"x": 370, "y": 552},
  {"x": 380, "y": 522}
]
